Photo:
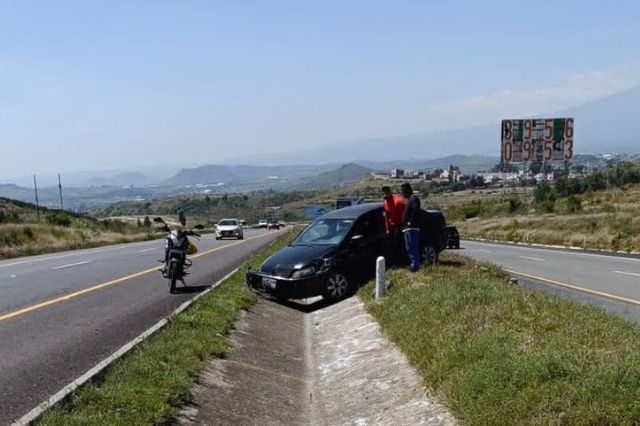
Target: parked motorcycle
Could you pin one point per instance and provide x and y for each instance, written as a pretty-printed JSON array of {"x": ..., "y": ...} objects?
[{"x": 176, "y": 248}]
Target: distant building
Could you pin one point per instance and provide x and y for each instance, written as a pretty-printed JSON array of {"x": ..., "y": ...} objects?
[
  {"x": 375, "y": 175},
  {"x": 397, "y": 173}
]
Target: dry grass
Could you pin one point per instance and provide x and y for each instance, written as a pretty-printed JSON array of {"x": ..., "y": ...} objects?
[
  {"x": 609, "y": 220},
  {"x": 29, "y": 239}
]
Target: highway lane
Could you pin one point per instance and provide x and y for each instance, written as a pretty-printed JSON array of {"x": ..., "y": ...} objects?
[
  {"x": 47, "y": 341},
  {"x": 617, "y": 276}
]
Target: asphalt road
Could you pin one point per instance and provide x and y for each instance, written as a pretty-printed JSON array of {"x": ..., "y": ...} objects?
[
  {"x": 61, "y": 314},
  {"x": 603, "y": 275}
]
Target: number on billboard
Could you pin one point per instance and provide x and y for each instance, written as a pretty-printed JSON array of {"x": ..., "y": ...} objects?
[
  {"x": 568, "y": 149},
  {"x": 508, "y": 130},
  {"x": 508, "y": 151},
  {"x": 568, "y": 128}
]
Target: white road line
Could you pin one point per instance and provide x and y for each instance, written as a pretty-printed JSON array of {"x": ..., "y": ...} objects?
[
  {"x": 537, "y": 259},
  {"x": 37, "y": 260},
  {"x": 144, "y": 251},
  {"x": 70, "y": 265},
  {"x": 559, "y": 250},
  {"x": 81, "y": 252},
  {"x": 627, "y": 273}
]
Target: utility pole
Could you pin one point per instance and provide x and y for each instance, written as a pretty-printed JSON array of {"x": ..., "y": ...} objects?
[
  {"x": 60, "y": 188},
  {"x": 35, "y": 187}
]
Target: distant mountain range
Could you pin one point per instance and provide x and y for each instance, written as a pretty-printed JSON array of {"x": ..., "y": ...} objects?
[
  {"x": 120, "y": 177},
  {"x": 608, "y": 125},
  {"x": 315, "y": 177},
  {"x": 245, "y": 174},
  {"x": 604, "y": 126}
]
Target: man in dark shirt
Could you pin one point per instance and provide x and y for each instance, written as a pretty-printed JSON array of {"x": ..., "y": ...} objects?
[
  {"x": 410, "y": 228},
  {"x": 393, "y": 205}
]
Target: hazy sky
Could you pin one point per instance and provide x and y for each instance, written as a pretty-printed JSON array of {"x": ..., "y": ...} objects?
[{"x": 94, "y": 85}]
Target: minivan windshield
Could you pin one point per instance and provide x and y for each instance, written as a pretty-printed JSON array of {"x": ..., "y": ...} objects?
[
  {"x": 228, "y": 222},
  {"x": 324, "y": 232}
]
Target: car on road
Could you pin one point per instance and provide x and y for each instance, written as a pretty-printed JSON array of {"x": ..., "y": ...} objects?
[
  {"x": 229, "y": 228},
  {"x": 336, "y": 253},
  {"x": 262, "y": 224},
  {"x": 273, "y": 224},
  {"x": 453, "y": 237}
]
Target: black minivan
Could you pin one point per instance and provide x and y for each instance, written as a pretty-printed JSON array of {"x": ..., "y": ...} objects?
[{"x": 335, "y": 253}]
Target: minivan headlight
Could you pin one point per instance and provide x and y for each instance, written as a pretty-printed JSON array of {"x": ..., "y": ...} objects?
[{"x": 305, "y": 272}]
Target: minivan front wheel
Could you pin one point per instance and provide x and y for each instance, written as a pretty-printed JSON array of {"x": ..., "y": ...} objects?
[
  {"x": 429, "y": 255},
  {"x": 337, "y": 286}
]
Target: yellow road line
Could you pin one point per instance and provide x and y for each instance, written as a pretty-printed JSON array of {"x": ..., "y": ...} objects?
[
  {"x": 573, "y": 287},
  {"x": 110, "y": 283}
]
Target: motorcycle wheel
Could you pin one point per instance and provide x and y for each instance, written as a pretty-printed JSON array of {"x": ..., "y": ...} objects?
[{"x": 173, "y": 276}]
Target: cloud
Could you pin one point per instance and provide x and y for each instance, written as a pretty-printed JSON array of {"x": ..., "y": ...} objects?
[{"x": 576, "y": 89}]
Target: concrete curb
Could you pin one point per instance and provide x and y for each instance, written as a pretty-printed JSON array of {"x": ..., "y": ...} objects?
[{"x": 68, "y": 389}]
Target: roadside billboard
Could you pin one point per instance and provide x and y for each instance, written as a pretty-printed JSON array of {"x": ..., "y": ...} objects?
[
  {"x": 539, "y": 140},
  {"x": 315, "y": 210}
]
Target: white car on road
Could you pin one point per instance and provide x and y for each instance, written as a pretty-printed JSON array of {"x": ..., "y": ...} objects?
[{"x": 229, "y": 228}]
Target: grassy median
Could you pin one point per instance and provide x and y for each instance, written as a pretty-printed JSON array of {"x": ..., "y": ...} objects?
[
  {"x": 497, "y": 354},
  {"x": 150, "y": 384}
]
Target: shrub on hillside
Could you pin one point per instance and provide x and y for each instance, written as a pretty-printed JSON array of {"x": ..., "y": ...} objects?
[
  {"x": 544, "y": 198},
  {"x": 515, "y": 205},
  {"x": 58, "y": 218},
  {"x": 574, "y": 204},
  {"x": 513, "y": 234}
]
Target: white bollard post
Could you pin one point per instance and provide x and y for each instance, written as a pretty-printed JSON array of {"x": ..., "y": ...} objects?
[{"x": 380, "y": 267}]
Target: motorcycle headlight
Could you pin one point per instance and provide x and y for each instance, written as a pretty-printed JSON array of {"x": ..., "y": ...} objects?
[{"x": 305, "y": 272}]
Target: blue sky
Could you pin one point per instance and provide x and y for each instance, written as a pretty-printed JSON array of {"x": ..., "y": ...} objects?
[{"x": 97, "y": 85}]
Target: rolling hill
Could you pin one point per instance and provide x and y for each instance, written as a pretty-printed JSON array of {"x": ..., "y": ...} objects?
[{"x": 344, "y": 175}]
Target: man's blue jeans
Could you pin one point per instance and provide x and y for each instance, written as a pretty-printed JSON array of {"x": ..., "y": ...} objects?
[{"x": 412, "y": 244}]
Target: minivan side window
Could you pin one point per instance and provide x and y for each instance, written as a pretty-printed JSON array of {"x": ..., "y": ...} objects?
[{"x": 370, "y": 224}]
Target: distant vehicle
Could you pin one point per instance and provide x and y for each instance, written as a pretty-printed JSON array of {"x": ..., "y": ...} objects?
[
  {"x": 453, "y": 237},
  {"x": 243, "y": 222},
  {"x": 262, "y": 224},
  {"x": 229, "y": 228},
  {"x": 273, "y": 224},
  {"x": 337, "y": 252}
]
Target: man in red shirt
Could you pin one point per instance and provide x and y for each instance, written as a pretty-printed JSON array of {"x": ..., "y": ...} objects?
[{"x": 393, "y": 205}]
